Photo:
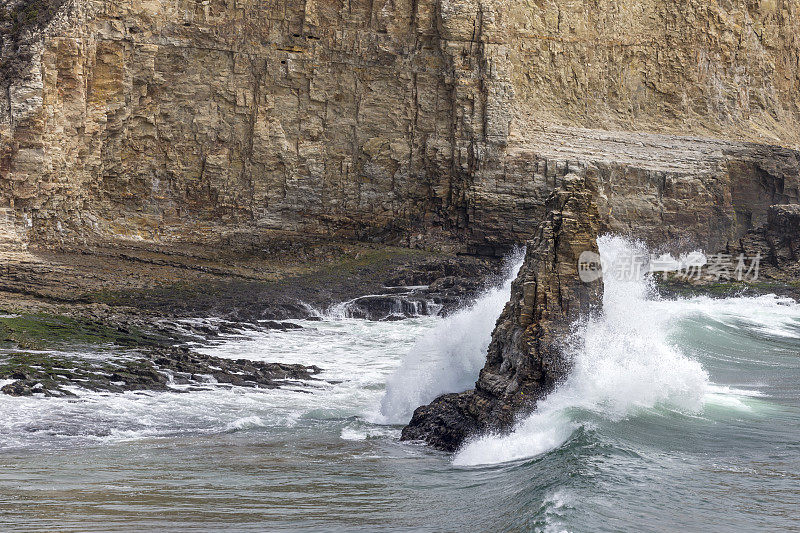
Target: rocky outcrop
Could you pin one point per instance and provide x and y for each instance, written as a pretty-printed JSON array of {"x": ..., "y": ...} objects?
[
  {"x": 161, "y": 369},
  {"x": 47, "y": 354},
  {"x": 177, "y": 140},
  {"x": 683, "y": 192},
  {"x": 432, "y": 287},
  {"x": 415, "y": 122},
  {"x": 284, "y": 277},
  {"x": 777, "y": 243},
  {"x": 527, "y": 357}
]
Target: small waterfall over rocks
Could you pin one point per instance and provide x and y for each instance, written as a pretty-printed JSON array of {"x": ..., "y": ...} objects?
[
  {"x": 449, "y": 357},
  {"x": 398, "y": 303}
]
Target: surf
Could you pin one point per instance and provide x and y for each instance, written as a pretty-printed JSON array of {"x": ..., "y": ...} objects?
[
  {"x": 449, "y": 357},
  {"x": 626, "y": 362}
]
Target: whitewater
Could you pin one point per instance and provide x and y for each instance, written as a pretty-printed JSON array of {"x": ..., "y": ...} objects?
[
  {"x": 624, "y": 362},
  {"x": 678, "y": 414}
]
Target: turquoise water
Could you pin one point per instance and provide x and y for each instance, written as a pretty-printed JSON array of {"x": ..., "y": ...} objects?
[{"x": 679, "y": 416}]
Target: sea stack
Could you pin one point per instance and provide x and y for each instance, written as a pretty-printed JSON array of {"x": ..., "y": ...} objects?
[{"x": 527, "y": 357}]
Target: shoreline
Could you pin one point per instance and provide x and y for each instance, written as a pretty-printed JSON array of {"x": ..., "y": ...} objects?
[{"x": 138, "y": 300}]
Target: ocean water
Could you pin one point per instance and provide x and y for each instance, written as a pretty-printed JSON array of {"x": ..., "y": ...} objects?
[{"x": 679, "y": 415}]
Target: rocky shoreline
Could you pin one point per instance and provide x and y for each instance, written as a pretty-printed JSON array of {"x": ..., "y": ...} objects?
[
  {"x": 52, "y": 300},
  {"x": 152, "y": 306},
  {"x": 776, "y": 244},
  {"x": 56, "y": 355},
  {"x": 526, "y": 359},
  {"x": 158, "y": 370},
  {"x": 162, "y": 163}
]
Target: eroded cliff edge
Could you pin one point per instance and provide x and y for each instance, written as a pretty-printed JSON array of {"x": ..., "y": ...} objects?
[{"x": 528, "y": 355}]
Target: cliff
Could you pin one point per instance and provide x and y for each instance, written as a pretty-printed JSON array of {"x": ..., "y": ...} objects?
[{"x": 427, "y": 123}]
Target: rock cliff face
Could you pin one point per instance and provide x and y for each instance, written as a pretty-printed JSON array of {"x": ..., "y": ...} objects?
[
  {"x": 439, "y": 123},
  {"x": 527, "y": 356},
  {"x": 776, "y": 244}
]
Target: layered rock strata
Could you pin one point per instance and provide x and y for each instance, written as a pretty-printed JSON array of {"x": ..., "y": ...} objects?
[
  {"x": 777, "y": 243},
  {"x": 528, "y": 354},
  {"x": 145, "y": 130},
  {"x": 415, "y": 122}
]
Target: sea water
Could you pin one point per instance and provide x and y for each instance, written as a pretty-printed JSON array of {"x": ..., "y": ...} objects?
[{"x": 678, "y": 415}]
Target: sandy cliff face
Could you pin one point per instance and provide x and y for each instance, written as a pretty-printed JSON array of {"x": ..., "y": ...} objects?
[
  {"x": 717, "y": 68},
  {"x": 442, "y": 123}
]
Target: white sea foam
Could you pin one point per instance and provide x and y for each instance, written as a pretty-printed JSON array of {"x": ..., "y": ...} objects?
[
  {"x": 623, "y": 363},
  {"x": 449, "y": 357},
  {"x": 247, "y": 422},
  {"x": 554, "y": 507},
  {"x": 774, "y": 316},
  {"x": 364, "y": 432},
  {"x": 356, "y": 357}
]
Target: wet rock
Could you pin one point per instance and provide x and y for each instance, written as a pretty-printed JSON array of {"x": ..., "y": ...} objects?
[
  {"x": 776, "y": 244},
  {"x": 19, "y": 388},
  {"x": 437, "y": 286},
  {"x": 526, "y": 358},
  {"x": 448, "y": 283},
  {"x": 158, "y": 369},
  {"x": 282, "y": 326},
  {"x": 387, "y": 307},
  {"x": 445, "y": 423}
]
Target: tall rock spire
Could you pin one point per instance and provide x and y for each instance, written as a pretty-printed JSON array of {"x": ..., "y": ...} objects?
[{"x": 526, "y": 358}]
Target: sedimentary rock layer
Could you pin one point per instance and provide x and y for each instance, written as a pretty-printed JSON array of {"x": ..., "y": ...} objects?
[
  {"x": 527, "y": 357},
  {"x": 441, "y": 123}
]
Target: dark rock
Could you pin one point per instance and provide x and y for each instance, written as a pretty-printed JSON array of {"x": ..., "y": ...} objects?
[
  {"x": 784, "y": 220},
  {"x": 776, "y": 244},
  {"x": 443, "y": 424},
  {"x": 526, "y": 358},
  {"x": 449, "y": 283},
  {"x": 282, "y": 326},
  {"x": 151, "y": 371},
  {"x": 19, "y": 388},
  {"x": 380, "y": 307},
  {"x": 428, "y": 272}
]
